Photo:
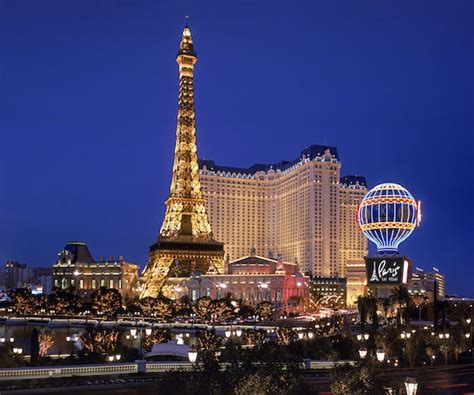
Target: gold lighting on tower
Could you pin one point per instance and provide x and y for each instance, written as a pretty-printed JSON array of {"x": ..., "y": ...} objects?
[{"x": 185, "y": 244}]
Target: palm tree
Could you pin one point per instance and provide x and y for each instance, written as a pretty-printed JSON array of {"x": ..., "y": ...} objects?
[
  {"x": 401, "y": 296},
  {"x": 362, "y": 306},
  {"x": 372, "y": 310},
  {"x": 419, "y": 300},
  {"x": 385, "y": 306}
]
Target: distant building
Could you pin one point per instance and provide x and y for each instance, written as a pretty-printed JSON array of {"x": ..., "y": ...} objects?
[
  {"x": 18, "y": 275},
  {"x": 356, "y": 282},
  {"x": 428, "y": 283},
  {"x": 328, "y": 291},
  {"x": 14, "y": 274},
  {"x": 252, "y": 279},
  {"x": 76, "y": 268},
  {"x": 302, "y": 209}
]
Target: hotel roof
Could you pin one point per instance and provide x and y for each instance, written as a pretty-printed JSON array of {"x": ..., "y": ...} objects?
[{"x": 310, "y": 152}]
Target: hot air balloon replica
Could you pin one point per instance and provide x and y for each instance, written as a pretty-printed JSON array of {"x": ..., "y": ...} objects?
[{"x": 387, "y": 215}]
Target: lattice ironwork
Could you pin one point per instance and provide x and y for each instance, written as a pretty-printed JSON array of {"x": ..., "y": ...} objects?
[{"x": 186, "y": 226}]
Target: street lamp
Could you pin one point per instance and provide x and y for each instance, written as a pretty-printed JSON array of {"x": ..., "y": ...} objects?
[
  {"x": 72, "y": 339},
  {"x": 17, "y": 350},
  {"x": 310, "y": 335},
  {"x": 366, "y": 336},
  {"x": 380, "y": 355},
  {"x": 238, "y": 332},
  {"x": 192, "y": 354},
  {"x": 363, "y": 352},
  {"x": 112, "y": 358},
  {"x": 300, "y": 335},
  {"x": 359, "y": 337},
  {"x": 444, "y": 346},
  {"x": 411, "y": 386},
  {"x": 228, "y": 332},
  {"x": 135, "y": 334}
]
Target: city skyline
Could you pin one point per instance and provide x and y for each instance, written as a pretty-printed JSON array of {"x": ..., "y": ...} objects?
[{"x": 59, "y": 203}]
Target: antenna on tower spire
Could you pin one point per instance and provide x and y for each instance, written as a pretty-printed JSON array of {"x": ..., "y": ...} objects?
[{"x": 187, "y": 20}]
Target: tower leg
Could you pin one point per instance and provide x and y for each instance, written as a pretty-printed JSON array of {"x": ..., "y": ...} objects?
[{"x": 156, "y": 273}]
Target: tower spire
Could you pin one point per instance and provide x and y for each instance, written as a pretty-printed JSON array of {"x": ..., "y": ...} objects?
[
  {"x": 185, "y": 244},
  {"x": 185, "y": 212}
]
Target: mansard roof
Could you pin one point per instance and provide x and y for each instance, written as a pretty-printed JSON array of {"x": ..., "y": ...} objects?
[
  {"x": 79, "y": 251},
  {"x": 353, "y": 181},
  {"x": 311, "y": 152}
]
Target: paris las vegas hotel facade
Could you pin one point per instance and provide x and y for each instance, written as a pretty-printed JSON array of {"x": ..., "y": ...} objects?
[{"x": 302, "y": 209}]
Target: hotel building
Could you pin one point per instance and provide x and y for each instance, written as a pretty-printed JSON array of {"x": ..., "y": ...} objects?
[
  {"x": 301, "y": 209},
  {"x": 251, "y": 278},
  {"x": 76, "y": 268}
]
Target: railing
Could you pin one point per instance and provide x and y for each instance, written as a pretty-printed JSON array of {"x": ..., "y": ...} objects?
[
  {"x": 120, "y": 369},
  {"x": 68, "y": 371}
]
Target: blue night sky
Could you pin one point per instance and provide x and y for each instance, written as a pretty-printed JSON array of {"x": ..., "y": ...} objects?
[{"x": 89, "y": 97}]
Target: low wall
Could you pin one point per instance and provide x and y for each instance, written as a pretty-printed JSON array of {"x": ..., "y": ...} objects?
[{"x": 114, "y": 369}]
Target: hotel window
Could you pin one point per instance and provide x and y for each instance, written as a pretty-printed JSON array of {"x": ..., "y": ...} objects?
[
  {"x": 94, "y": 285},
  {"x": 64, "y": 283},
  {"x": 102, "y": 283},
  {"x": 111, "y": 283},
  {"x": 81, "y": 283},
  {"x": 120, "y": 283}
]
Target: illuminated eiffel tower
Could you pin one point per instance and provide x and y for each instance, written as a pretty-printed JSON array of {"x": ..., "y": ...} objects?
[{"x": 185, "y": 243}]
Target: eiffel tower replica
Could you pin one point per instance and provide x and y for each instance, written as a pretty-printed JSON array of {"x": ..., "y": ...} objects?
[{"x": 185, "y": 244}]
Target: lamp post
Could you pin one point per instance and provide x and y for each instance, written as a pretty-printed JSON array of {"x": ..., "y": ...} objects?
[
  {"x": 380, "y": 354},
  {"x": 363, "y": 353},
  {"x": 405, "y": 336},
  {"x": 469, "y": 334},
  {"x": 17, "y": 351},
  {"x": 411, "y": 386},
  {"x": 72, "y": 339},
  {"x": 192, "y": 354},
  {"x": 114, "y": 358},
  {"x": 4, "y": 340},
  {"x": 444, "y": 336},
  {"x": 140, "y": 334}
]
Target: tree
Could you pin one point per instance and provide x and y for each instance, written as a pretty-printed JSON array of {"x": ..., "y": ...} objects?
[
  {"x": 265, "y": 310},
  {"x": 372, "y": 310},
  {"x": 255, "y": 337},
  {"x": 63, "y": 301},
  {"x": 355, "y": 380},
  {"x": 147, "y": 306},
  {"x": 285, "y": 336},
  {"x": 157, "y": 336},
  {"x": 222, "y": 309},
  {"x": 209, "y": 341},
  {"x": 401, "y": 296},
  {"x": 133, "y": 305},
  {"x": 257, "y": 383},
  {"x": 246, "y": 311},
  {"x": 106, "y": 301},
  {"x": 203, "y": 307},
  {"x": 419, "y": 300},
  {"x": 362, "y": 307},
  {"x": 46, "y": 341},
  {"x": 99, "y": 342},
  {"x": 24, "y": 303}
]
